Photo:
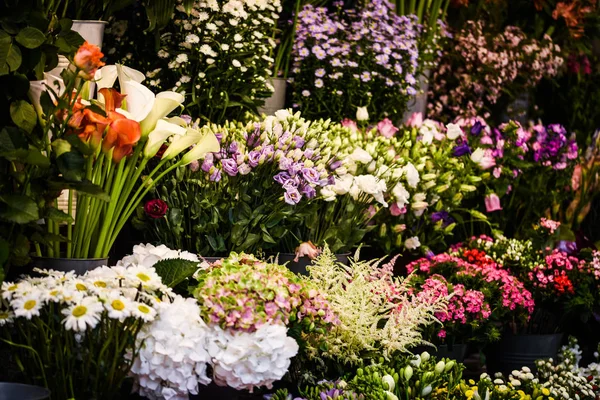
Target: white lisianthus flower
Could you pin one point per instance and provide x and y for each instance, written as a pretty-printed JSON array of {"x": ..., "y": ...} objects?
[
  {"x": 412, "y": 243},
  {"x": 343, "y": 184},
  {"x": 483, "y": 158},
  {"x": 173, "y": 360},
  {"x": 360, "y": 155},
  {"x": 245, "y": 360},
  {"x": 362, "y": 114},
  {"x": 412, "y": 175},
  {"x": 453, "y": 131},
  {"x": 371, "y": 185},
  {"x": 401, "y": 195},
  {"x": 328, "y": 193}
]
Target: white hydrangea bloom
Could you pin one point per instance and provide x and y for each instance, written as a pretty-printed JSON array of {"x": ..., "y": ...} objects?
[
  {"x": 173, "y": 360},
  {"x": 244, "y": 360}
]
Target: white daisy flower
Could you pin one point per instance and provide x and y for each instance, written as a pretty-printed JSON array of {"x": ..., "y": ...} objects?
[
  {"x": 118, "y": 307},
  {"x": 146, "y": 276},
  {"x": 143, "y": 311},
  {"x": 84, "y": 313},
  {"x": 8, "y": 289},
  {"x": 28, "y": 305},
  {"x": 6, "y": 317}
]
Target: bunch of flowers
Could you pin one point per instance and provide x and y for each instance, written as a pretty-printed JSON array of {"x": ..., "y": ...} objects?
[
  {"x": 563, "y": 285},
  {"x": 173, "y": 354},
  {"x": 520, "y": 384},
  {"x": 377, "y": 312},
  {"x": 249, "y": 306},
  {"x": 219, "y": 55},
  {"x": 482, "y": 68},
  {"x": 434, "y": 176},
  {"x": 522, "y": 162},
  {"x": 346, "y": 59},
  {"x": 491, "y": 288},
  {"x": 77, "y": 334},
  {"x": 467, "y": 310}
]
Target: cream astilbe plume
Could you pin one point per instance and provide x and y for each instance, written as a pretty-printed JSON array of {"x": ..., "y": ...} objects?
[{"x": 377, "y": 312}]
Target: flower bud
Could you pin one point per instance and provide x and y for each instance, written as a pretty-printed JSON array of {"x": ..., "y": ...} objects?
[
  {"x": 425, "y": 356},
  {"x": 439, "y": 367},
  {"x": 389, "y": 381},
  {"x": 426, "y": 391},
  {"x": 408, "y": 373}
]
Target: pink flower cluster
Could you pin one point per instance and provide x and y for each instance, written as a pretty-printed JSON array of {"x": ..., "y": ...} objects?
[
  {"x": 552, "y": 226},
  {"x": 554, "y": 273},
  {"x": 243, "y": 293},
  {"x": 481, "y": 65}
]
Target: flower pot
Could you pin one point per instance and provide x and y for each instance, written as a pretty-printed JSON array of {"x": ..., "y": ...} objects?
[
  {"x": 456, "y": 351},
  {"x": 13, "y": 391},
  {"x": 91, "y": 31},
  {"x": 299, "y": 267},
  {"x": 215, "y": 392},
  {"x": 419, "y": 102},
  {"x": 277, "y": 100},
  {"x": 78, "y": 265},
  {"x": 515, "y": 351}
]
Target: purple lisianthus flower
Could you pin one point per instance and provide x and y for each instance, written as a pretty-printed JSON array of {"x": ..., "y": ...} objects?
[
  {"x": 244, "y": 169},
  {"x": 208, "y": 162},
  {"x": 295, "y": 168},
  {"x": 308, "y": 191},
  {"x": 299, "y": 142},
  {"x": 216, "y": 175},
  {"x": 309, "y": 153},
  {"x": 268, "y": 151},
  {"x": 233, "y": 147},
  {"x": 461, "y": 149},
  {"x": 292, "y": 196},
  {"x": 291, "y": 184},
  {"x": 335, "y": 165},
  {"x": 567, "y": 246},
  {"x": 285, "y": 163},
  {"x": 219, "y": 136},
  {"x": 230, "y": 166},
  {"x": 311, "y": 175},
  {"x": 281, "y": 177},
  {"x": 442, "y": 216},
  {"x": 186, "y": 118},
  {"x": 253, "y": 158},
  {"x": 477, "y": 128}
]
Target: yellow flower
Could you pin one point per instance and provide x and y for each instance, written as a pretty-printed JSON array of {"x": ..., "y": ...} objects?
[
  {"x": 469, "y": 393},
  {"x": 545, "y": 392}
]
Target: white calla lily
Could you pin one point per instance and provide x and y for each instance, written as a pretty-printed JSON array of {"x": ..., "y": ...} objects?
[
  {"x": 140, "y": 100},
  {"x": 163, "y": 105},
  {"x": 157, "y": 137},
  {"x": 182, "y": 143},
  {"x": 207, "y": 144},
  {"x": 107, "y": 76},
  {"x": 175, "y": 120}
]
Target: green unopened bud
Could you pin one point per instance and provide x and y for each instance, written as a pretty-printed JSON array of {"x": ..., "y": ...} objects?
[
  {"x": 450, "y": 228},
  {"x": 442, "y": 188},
  {"x": 428, "y": 177},
  {"x": 425, "y": 356},
  {"x": 426, "y": 391},
  {"x": 449, "y": 365},
  {"x": 439, "y": 367},
  {"x": 408, "y": 373},
  {"x": 474, "y": 179},
  {"x": 390, "y": 396},
  {"x": 467, "y": 188},
  {"x": 457, "y": 198}
]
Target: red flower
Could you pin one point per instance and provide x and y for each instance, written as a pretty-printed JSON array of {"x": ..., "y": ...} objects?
[
  {"x": 156, "y": 208},
  {"x": 88, "y": 59},
  {"x": 563, "y": 284}
]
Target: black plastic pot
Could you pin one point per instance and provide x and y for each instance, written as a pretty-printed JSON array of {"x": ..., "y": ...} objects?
[
  {"x": 19, "y": 391},
  {"x": 79, "y": 265},
  {"x": 299, "y": 267},
  {"x": 515, "y": 351},
  {"x": 215, "y": 392},
  {"x": 456, "y": 352},
  {"x": 211, "y": 260}
]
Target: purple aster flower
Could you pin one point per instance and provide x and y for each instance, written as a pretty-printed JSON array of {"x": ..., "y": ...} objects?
[
  {"x": 253, "y": 158},
  {"x": 281, "y": 177},
  {"x": 461, "y": 149},
  {"x": 292, "y": 196},
  {"x": 230, "y": 166}
]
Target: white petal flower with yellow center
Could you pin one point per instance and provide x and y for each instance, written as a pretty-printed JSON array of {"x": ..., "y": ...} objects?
[
  {"x": 82, "y": 314},
  {"x": 118, "y": 307},
  {"x": 28, "y": 305},
  {"x": 143, "y": 311}
]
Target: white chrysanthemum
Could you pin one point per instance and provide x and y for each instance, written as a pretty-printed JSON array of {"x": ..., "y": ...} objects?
[
  {"x": 83, "y": 314},
  {"x": 8, "y": 289},
  {"x": 172, "y": 360},
  {"x": 6, "y": 317},
  {"x": 244, "y": 360},
  {"x": 192, "y": 38},
  {"x": 28, "y": 305}
]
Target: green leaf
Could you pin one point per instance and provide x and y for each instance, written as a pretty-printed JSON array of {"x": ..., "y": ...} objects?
[
  {"x": 14, "y": 58},
  {"x": 175, "y": 271},
  {"x": 18, "y": 208},
  {"x": 175, "y": 216},
  {"x": 11, "y": 139},
  {"x": 35, "y": 157},
  {"x": 57, "y": 215},
  {"x": 71, "y": 164},
  {"x": 23, "y": 115},
  {"x": 5, "y": 45},
  {"x": 31, "y": 38},
  {"x": 84, "y": 186}
]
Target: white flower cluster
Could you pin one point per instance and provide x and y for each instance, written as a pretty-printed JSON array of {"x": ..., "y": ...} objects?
[
  {"x": 85, "y": 301},
  {"x": 173, "y": 357},
  {"x": 244, "y": 360},
  {"x": 357, "y": 187},
  {"x": 146, "y": 255}
]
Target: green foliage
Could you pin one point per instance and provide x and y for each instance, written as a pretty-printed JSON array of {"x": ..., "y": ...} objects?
[{"x": 175, "y": 271}]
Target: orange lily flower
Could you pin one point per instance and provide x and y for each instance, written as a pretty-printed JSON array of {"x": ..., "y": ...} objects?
[{"x": 122, "y": 134}]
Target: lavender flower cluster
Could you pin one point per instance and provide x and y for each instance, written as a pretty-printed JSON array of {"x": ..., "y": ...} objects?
[
  {"x": 285, "y": 148},
  {"x": 346, "y": 58}
]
